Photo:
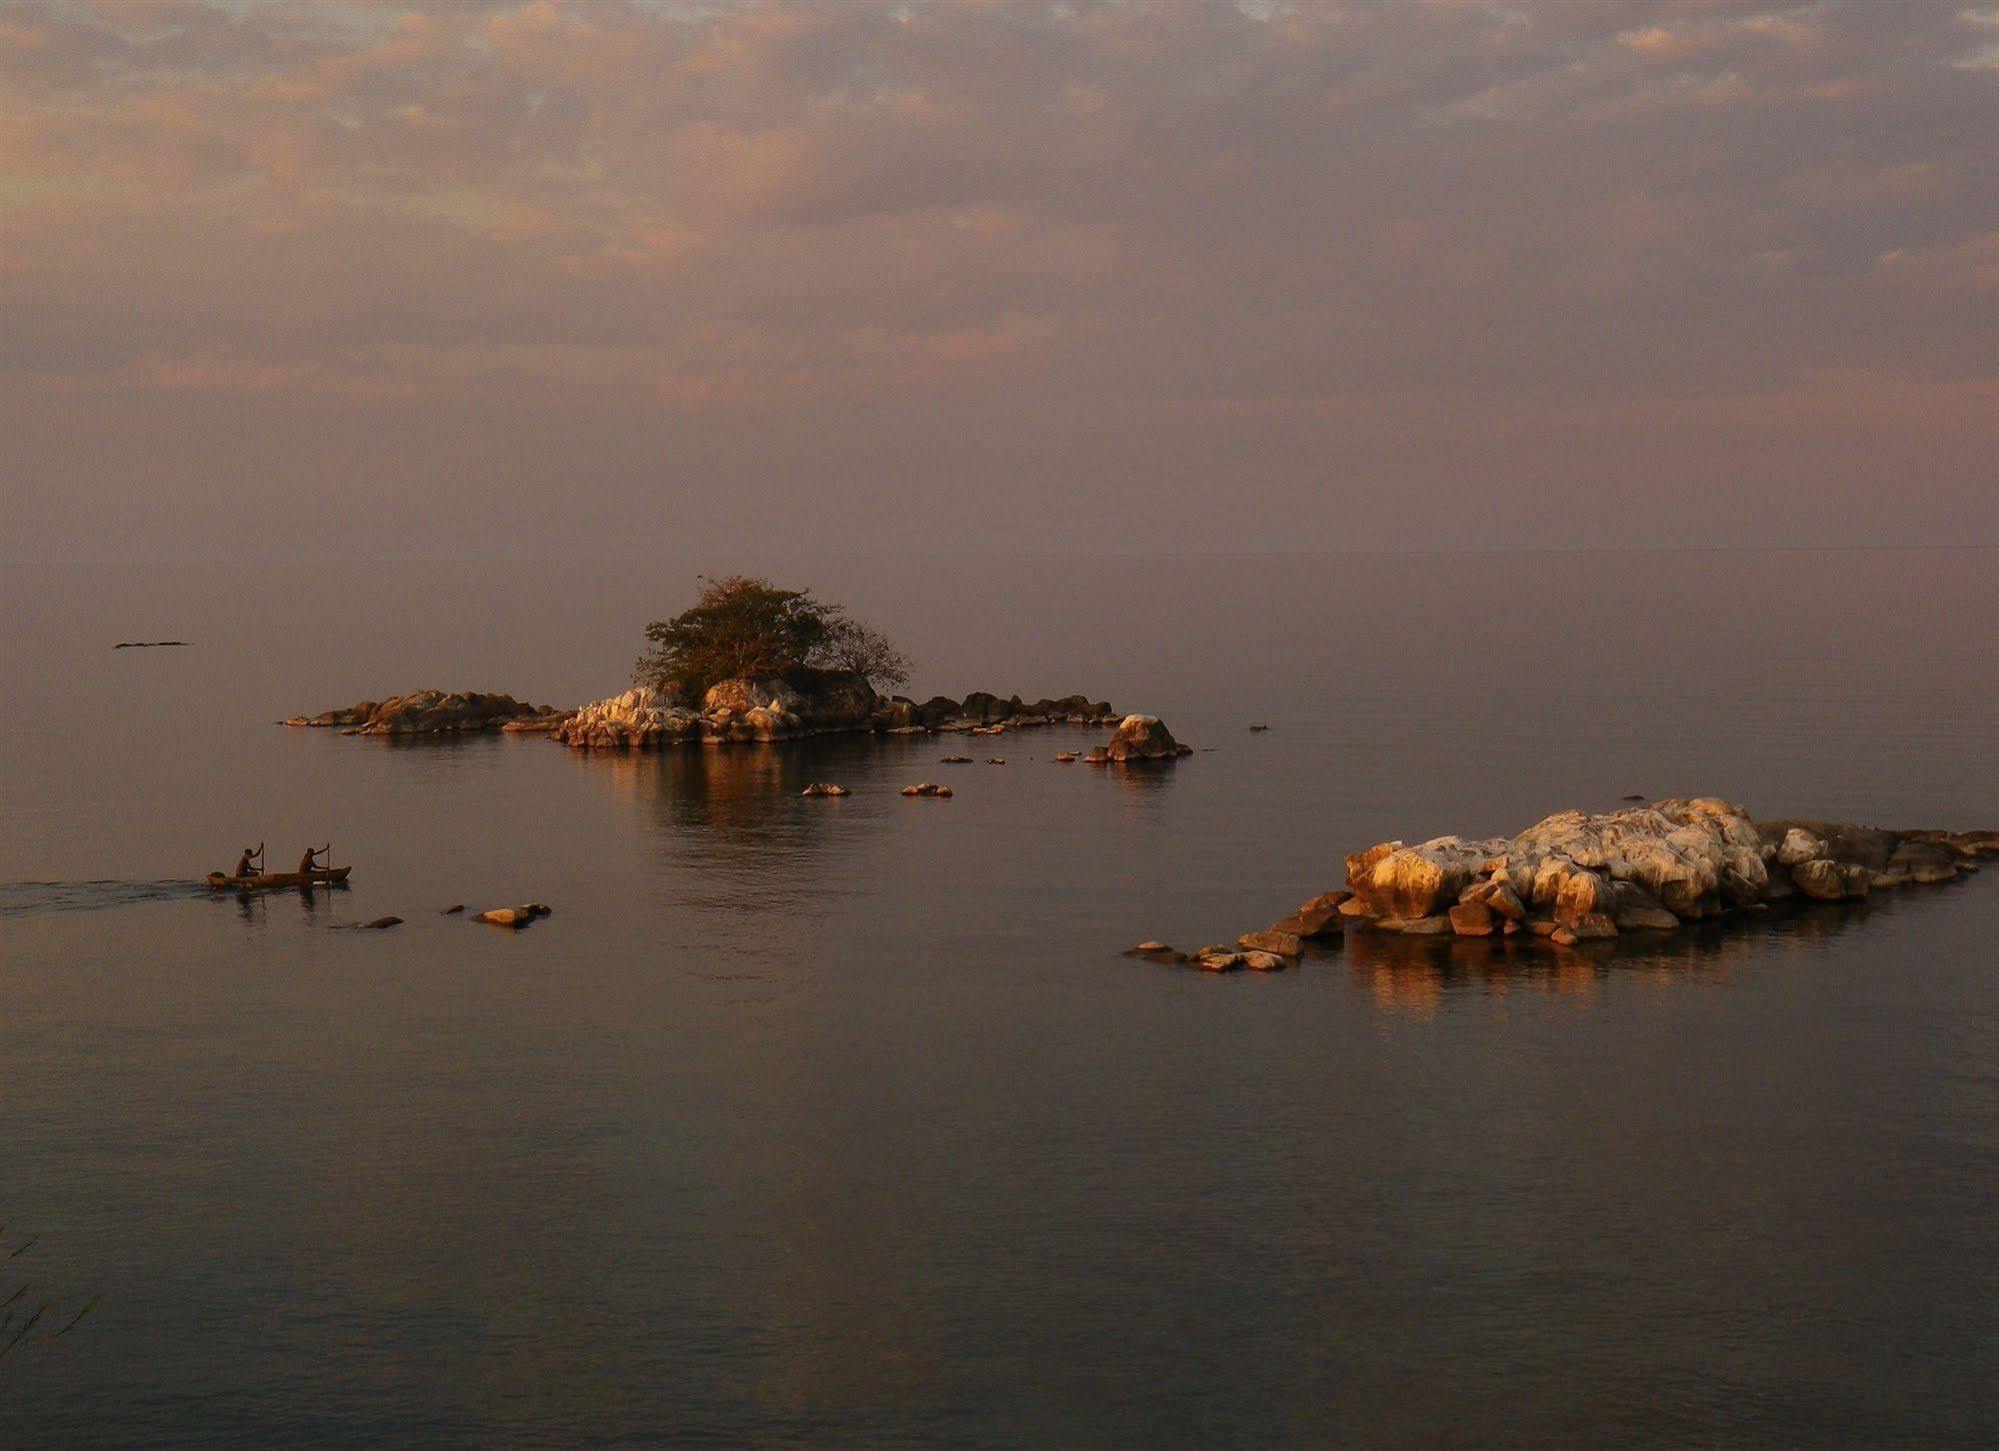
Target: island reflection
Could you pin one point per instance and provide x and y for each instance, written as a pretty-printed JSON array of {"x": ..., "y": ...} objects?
[{"x": 1415, "y": 977}]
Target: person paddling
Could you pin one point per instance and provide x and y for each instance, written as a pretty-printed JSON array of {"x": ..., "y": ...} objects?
[
  {"x": 306, "y": 864},
  {"x": 243, "y": 867}
]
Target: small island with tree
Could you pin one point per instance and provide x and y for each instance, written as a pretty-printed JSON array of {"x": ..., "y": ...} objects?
[
  {"x": 750, "y": 661},
  {"x": 748, "y": 629}
]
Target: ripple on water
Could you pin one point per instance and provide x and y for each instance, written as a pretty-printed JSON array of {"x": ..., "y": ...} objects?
[{"x": 22, "y": 899}]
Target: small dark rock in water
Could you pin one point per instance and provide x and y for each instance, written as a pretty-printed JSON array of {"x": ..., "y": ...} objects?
[
  {"x": 147, "y": 644},
  {"x": 956, "y": 760},
  {"x": 996, "y": 760},
  {"x": 1259, "y": 727},
  {"x": 454, "y": 907},
  {"x": 380, "y": 922},
  {"x": 821, "y": 788},
  {"x": 1067, "y": 756}
]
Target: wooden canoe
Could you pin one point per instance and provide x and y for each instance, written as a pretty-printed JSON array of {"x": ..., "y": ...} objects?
[{"x": 330, "y": 877}]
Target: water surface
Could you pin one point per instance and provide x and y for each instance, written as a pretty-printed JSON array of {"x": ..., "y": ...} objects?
[{"x": 842, "y": 1123}]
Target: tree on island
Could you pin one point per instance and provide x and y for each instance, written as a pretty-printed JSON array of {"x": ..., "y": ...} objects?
[{"x": 743, "y": 628}]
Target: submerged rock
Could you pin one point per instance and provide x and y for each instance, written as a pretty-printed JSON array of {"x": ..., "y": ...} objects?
[
  {"x": 926, "y": 788},
  {"x": 821, "y": 788}
]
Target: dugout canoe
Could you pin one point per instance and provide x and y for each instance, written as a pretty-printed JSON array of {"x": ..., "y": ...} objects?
[{"x": 329, "y": 877}]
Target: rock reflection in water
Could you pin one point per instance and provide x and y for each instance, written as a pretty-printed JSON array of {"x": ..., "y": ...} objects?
[
  {"x": 729, "y": 822},
  {"x": 1415, "y": 976}
]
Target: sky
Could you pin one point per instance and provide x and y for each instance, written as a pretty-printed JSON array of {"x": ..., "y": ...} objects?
[{"x": 338, "y": 278}]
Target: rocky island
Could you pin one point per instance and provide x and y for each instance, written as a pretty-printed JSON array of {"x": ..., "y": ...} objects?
[
  {"x": 433, "y": 713},
  {"x": 750, "y": 662},
  {"x": 1576, "y": 877},
  {"x": 799, "y": 704}
]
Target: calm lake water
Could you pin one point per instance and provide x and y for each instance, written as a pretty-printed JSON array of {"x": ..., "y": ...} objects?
[{"x": 842, "y": 1123}]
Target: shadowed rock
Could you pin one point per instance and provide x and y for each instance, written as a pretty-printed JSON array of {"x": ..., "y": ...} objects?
[{"x": 432, "y": 713}]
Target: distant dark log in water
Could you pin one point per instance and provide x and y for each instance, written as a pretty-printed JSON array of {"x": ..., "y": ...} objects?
[{"x": 147, "y": 644}]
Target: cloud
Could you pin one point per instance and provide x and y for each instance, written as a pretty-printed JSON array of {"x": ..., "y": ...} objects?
[{"x": 635, "y": 219}]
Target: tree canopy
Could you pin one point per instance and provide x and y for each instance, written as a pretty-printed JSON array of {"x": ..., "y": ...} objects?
[{"x": 741, "y": 627}]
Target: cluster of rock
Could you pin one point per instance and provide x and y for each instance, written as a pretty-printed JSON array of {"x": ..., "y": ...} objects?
[
  {"x": 774, "y": 709},
  {"x": 434, "y": 712},
  {"x": 1576, "y": 877},
  {"x": 1279, "y": 946},
  {"x": 818, "y": 704},
  {"x": 983, "y": 713},
  {"x": 735, "y": 710},
  {"x": 926, "y": 788}
]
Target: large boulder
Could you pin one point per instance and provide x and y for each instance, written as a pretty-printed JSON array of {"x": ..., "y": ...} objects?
[
  {"x": 1144, "y": 738},
  {"x": 641, "y": 717},
  {"x": 1409, "y": 883},
  {"x": 897, "y": 714},
  {"x": 804, "y": 702},
  {"x": 1841, "y": 841},
  {"x": 1831, "y": 881},
  {"x": 984, "y": 708}
]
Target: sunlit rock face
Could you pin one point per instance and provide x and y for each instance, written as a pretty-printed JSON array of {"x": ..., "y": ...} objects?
[
  {"x": 734, "y": 710},
  {"x": 1576, "y": 876},
  {"x": 642, "y": 716},
  {"x": 1140, "y": 738}
]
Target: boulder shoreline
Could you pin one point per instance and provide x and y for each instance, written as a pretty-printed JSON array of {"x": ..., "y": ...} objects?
[
  {"x": 797, "y": 706},
  {"x": 1576, "y": 878},
  {"x": 803, "y": 705}
]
